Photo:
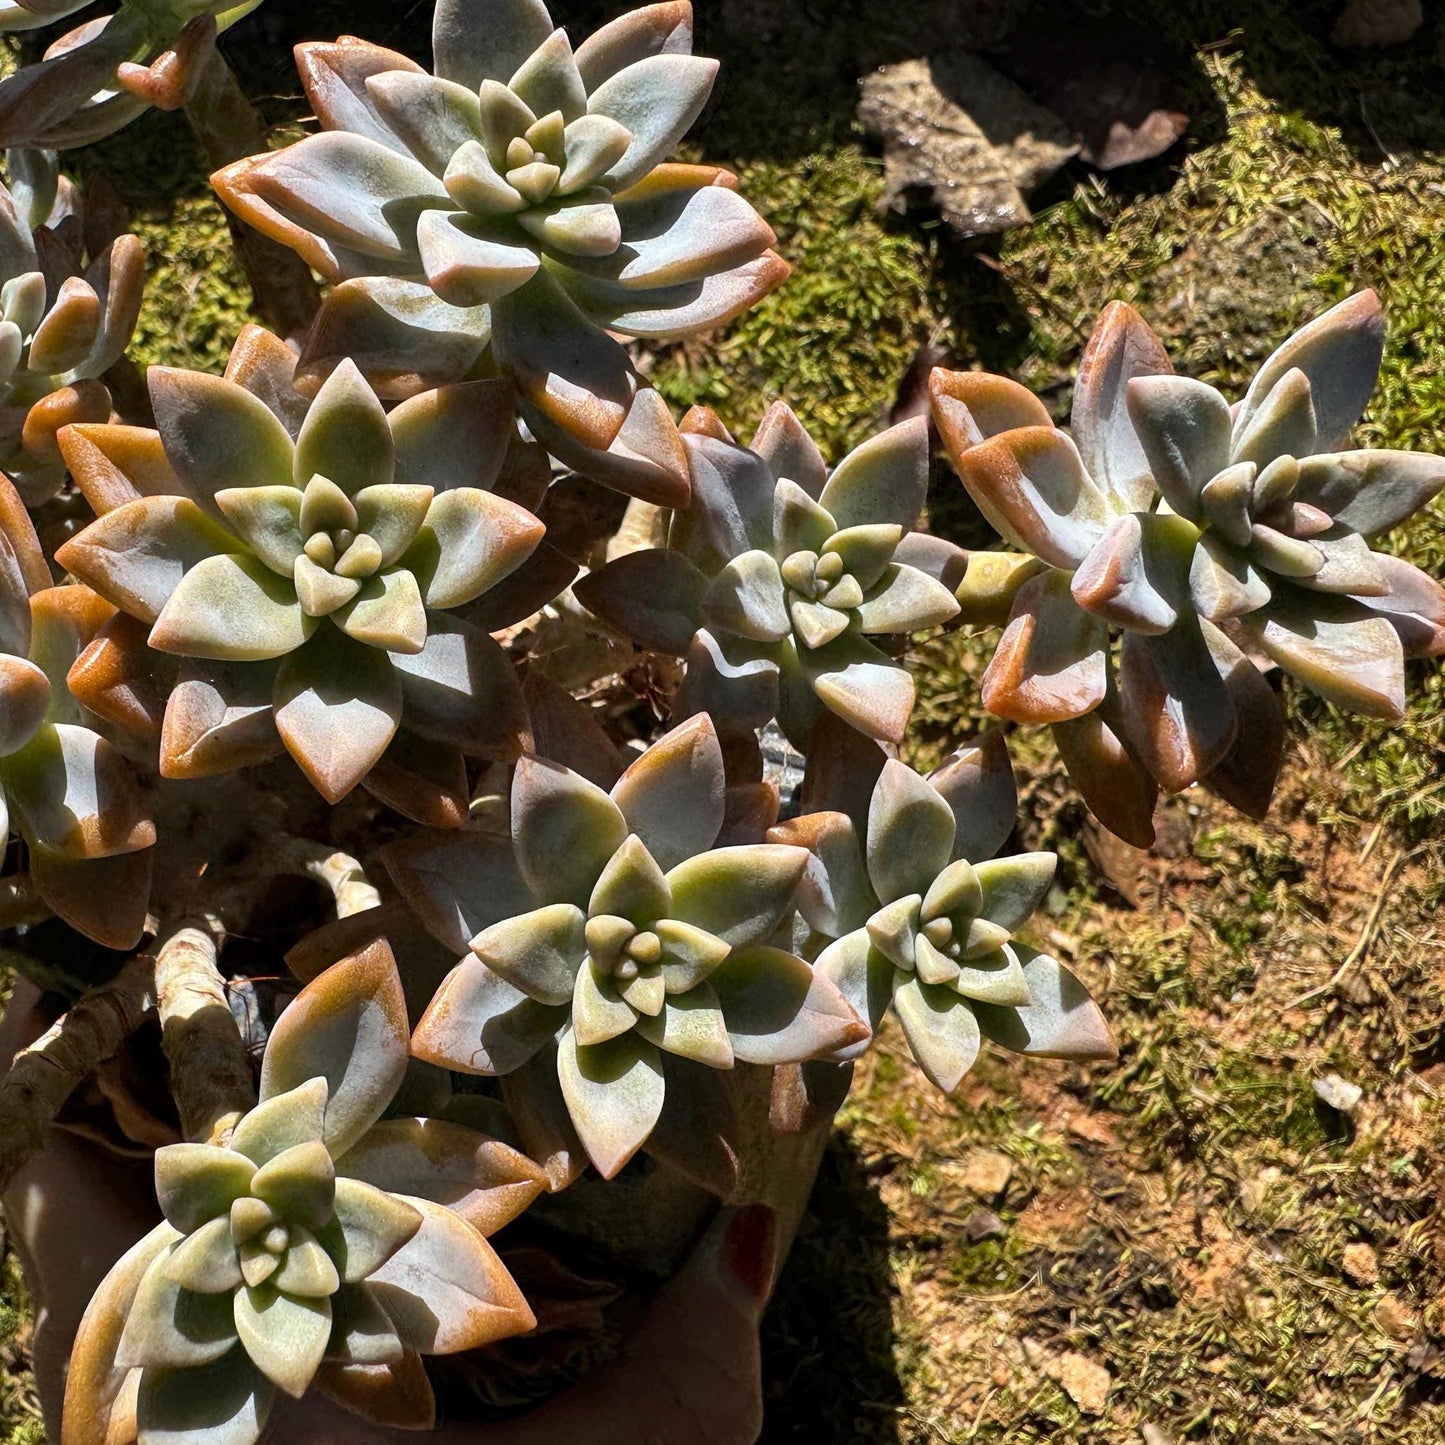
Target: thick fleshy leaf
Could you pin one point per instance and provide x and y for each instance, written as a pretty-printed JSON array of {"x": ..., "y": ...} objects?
[
  {"x": 614, "y": 1093},
  {"x": 1178, "y": 712},
  {"x": 373, "y": 1225},
  {"x": 1370, "y": 491},
  {"x": 468, "y": 262},
  {"x": 137, "y": 553},
  {"x": 565, "y": 828},
  {"x": 345, "y": 435},
  {"x": 228, "y": 1402},
  {"x": 784, "y": 444},
  {"x": 654, "y": 596},
  {"x": 1014, "y": 888},
  {"x": 387, "y": 613},
  {"x": 631, "y": 887},
  {"x": 454, "y": 436},
  {"x": 282, "y": 1122},
  {"x": 835, "y": 895},
  {"x": 231, "y": 608},
  {"x": 470, "y": 541},
  {"x": 1247, "y": 776},
  {"x": 941, "y": 1029},
  {"x": 1414, "y": 605},
  {"x": 1223, "y": 582},
  {"x": 362, "y": 1333},
  {"x": 779, "y": 1010},
  {"x": 1282, "y": 425},
  {"x": 1117, "y": 790},
  {"x": 1051, "y": 662},
  {"x": 538, "y": 952},
  {"x": 658, "y": 29},
  {"x": 672, "y": 796},
  {"x": 196, "y": 1183},
  {"x": 739, "y": 895},
  {"x": 691, "y": 1025},
  {"x": 457, "y": 883},
  {"x": 977, "y": 783},
  {"x": 335, "y": 76},
  {"x": 1340, "y": 353},
  {"x": 394, "y": 1394},
  {"x": 171, "y": 1326},
  {"x": 284, "y": 1335},
  {"x": 307, "y": 1270},
  {"x": 1121, "y": 347},
  {"x": 349, "y": 1026},
  {"x": 746, "y": 599},
  {"x": 1137, "y": 577},
  {"x": 893, "y": 930},
  {"x": 446, "y": 1289},
  {"x": 906, "y": 600},
  {"x": 734, "y": 489},
  {"x": 1060, "y": 1021},
  {"x": 299, "y": 1184},
  {"x": 1337, "y": 648},
  {"x": 599, "y": 1012},
  {"x": 483, "y": 1180},
  {"x": 471, "y": 46},
  {"x": 990, "y": 584},
  {"x": 657, "y": 98},
  {"x": 205, "y": 1261},
  {"x": 433, "y": 117},
  {"x": 1184, "y": 428},
  {"x": 724, "y": 677},
  {"x": 1032, "y": 487},
  {"x": 884, "y": 480},
  {"x": 864, "y": 978},
  {"x": 971, "y": 406},
  {"x": 864, "y": 686},
  {"x": 910, "y": 833},
  {"x": 337, "y": 708},
  {"x": 268, "y": 520},
  {"x": 689, "y": 954},
  {"x": 799, "y": 523},
  {"x": 479, "y": 1023},
  {"x": 218, "y": 718}
]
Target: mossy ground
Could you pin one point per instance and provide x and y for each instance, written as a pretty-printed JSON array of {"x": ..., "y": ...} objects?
[{"x": 1179, "y": 1219}]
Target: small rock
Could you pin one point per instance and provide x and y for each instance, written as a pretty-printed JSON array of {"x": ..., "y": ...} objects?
[
  {"x": 1096, "y": 1128},
  {"x": 984, "y": 1224},
  {"x": 1378, "y": 22},
  {"x": 1338, "y": 1093},
  {"x": 1360, "y": 1263},
  {"x": 1396, "y": 1318},
  {"x": 1087, "y": 1384},
  {"x": 1254, "y": 1188},
  {"x": 1153, "y": 1435},
  {"x": 986, "y": 1173}
]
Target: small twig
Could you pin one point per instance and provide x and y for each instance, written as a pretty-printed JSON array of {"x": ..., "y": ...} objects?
[
  {"x": 210, "y": 1070},
  {"x": 43, "y": 1076},
  {"x": 20, "y": 904},
  {"x": 338, "y": 871},
  {"x": 1367, "y": 933}
]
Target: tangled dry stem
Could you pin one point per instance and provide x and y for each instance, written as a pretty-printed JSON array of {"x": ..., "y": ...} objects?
[
  {"x": 210, "y": 1072},
  {"x": 338, "y": 871},
  {"x": 43, "y": 1076}
]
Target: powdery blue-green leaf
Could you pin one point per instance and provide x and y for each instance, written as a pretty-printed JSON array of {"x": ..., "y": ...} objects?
[
  {"x": 996, "y": 977},
  {"x": 746, "y": 599},
  {"x": 1032, "y": 487},
  {"x": 631, "y": 886},
  {"x": 672, "y": 796},
  {"x": 299, "y": 1184},
  {"x": 196, "y": 1183},
  {"x": 432, "y": 116},
  {"x": 784, "y": 444},
  {"x": 894, "y": 930},
  {"x": 780, "y": 1010},
  {"x": 548, "y": 80},
  {"x": 728, "y": 679},
  {"x": 565, "y": 829},
  {"x": 335, "y": 76},
  {"x": 307, "y": 1271},
  {"x": 169, "y": 1326},
  {"x": 469, "y": 542},
  {"x": 691, "y": 1025},
  {"x": 468, "y": 262},
  {"x": 654, "y": 596},
  {"x": 883, "y": 480},
  {"x": 906, "y": 600},
  {"x": 799, "y": 523},
  {"x": 479, "y": 1023},
  {"x": 282, "y": 1121},
  {"x": 910, "y": 833},
  {"x": 1184, "y": 427},
  {"x": 740, "y": 894},
  {"x": 1282, "y": 425},
  {"x": 457, "y": 883},
  {"x": 599, "y": 1012},
  {"x": 345, "y": 435},
  {"x": 472, "y": 45},
  {"x": 373, "y": 1225},
  {"x": 205, "y": 1261},
  {"x": 649, "y": 30},
  {"x": 593, "y": 145},
  {"x": 864, "y": 977},
  {"x": 1014, "y": 888},
  {"x": 232, "y": 609},
  {"x": 268, "y": 520},
  {"x": 1060, "y": 1021},
  {"x": 1370, "y": 491},
  {"x": 1051, "y": 662},
  {"x": 348, "y": 1026},
  {"x": 392, "y": 514},
  {"x": 538, "y": 952},
  {"x": 941, "y": 1029},
  {"x": 977, "y": 783},
  {"x": 958, "y": 890},
  {"x": 447, "y": 1290},
  {"x": 614, "y": 1093},
  {"x": 657, "y": 98},
  {"x": 865, "y": 687},
  {"x": 1414, "y": 605},
  {"x": 362, "y": 1333},
  {"x": 284, "y": 1335},
  {"x": 229, "y": 1401},
  {"x": 1137, "y": 577},
  {"x": 835, "y": 895},
  {"x": 387, "y": 613},
  {"x": 734, "y": 490},
  {"x": 1340, "y": 354},
  {"x": 969, "y": 407}
]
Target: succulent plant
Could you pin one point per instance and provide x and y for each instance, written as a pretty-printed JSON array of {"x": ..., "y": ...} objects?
[
  {"x": 99, "y": 77},
  {"x": 62, "y": 324},
  {"x": 315, "y": 566},
  {"x": 918, "y": 915},
  {"x": 1119, "y": 541},
  {"x": 318, "y": 1245},
  {"x": 774, "y": 580},
  {"x": 517, "y": 198},
  {"x": 67, "y": 791},
  {"x": 621, "y": 950}
]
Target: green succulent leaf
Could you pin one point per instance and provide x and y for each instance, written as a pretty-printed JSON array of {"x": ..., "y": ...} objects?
[
  {"x": 691, "y": 1025},
  {"x": 205, "y": 1262},
  {"x": 941, "y": 1029},
  {"x": 479, "y": 1023},
  {"x": 373, "y": 1225},
  {"x": 739, "y": 894},
  {"x": 470, "y": 541},
  {"x": 614, "y": 1093},
  {"x": 232, "y": 608},
  {"x": 656, "y": 99},
  {"x": 362, "y": 1333},
  {"x": 1014, "y": 888},
  {"x": 268, "y": 519},
  {"x": 1283, "y": 424},
  {"x": 298, "y": 1184},
  {"x": 196, "y": 1183},
  {"x": 538, "y": 952},
  {"x": 168, "y": 1326},
  {"x": 1060, "y": 1020},
  {"x": 672, "y": 797},
  {"x": 599, "y": 1012},
  {"x": 632, "y": 886},
  {"x": 284, "y": 1118},
  {"x": 689, "y": 954},
  {"x": 566, "y": 829},
  {"x": 387, "y": 613},
  {"x": 779, "y": 1010},
  {"x": 307, "y": 1270},
  {"x": 910, "y": 833},
  {"x": 227, "y": 1402},
  {"x": 284, "y": 1335}
]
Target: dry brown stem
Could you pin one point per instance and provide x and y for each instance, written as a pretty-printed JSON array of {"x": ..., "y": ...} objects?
[
  {"x": 339, "y": 872},
  {"x": 43, "y": 1076},
  {"x": 20, "y": 904},
  {"x": 210, "y": 1072}
]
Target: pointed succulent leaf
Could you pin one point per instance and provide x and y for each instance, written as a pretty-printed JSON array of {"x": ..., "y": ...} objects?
[
  {"x": 691, "y": 1026},
  {"x": 373, "y": 1225},
  {"x": 1339, "y": 352},
  {"x": 969, "y": 407},
  {"x": 740, "y": 894},
  {"x": 656, "y": 98},
  {"x": 362, "y": 1333},
  {"x": 454, "y": 435},
  {"x": 387, "y": 613},
  {"x": 894, "y": 930},
  {"x": 655, "y": 596},
  {"x": 1184, "y": 428},
  {"x": 268, "y": 520},
  {"x": 433, "y": 117},
  {"x": 1247, "y": 776},
  {"x": 861, "y": 685},
  {"x": 689, "y": 954},
  {"x": 1119, "y": 792},
  {"x": 996, "y": 977},
  {"x": 780, "y": 1010},
  {"x": 227, "y": 1403},
  {"x": 457, "y": 883},
  {"x": 299, "y": 1184},
  {"x": 1370, "y": 491},
  {"x": 538, "y": 952},
  {"x": 1060, "y": 1021},
  {"x": 284, "y": 1335},
  {"x": 735, "y": 493},
  {"x": 958, "y": 890},
  {"x": 281, "y": 1121},
  {"x": 565, "y": 828},
  {"x": 599, "y": 1012},
  {"x": 614, "y": 1093},
  {"x": 746, "y": 599},
  {"x": 864, "y": 978},
  {"x": 469, "y": 263},
  {"x": 169, "y": 1326},
  {"x": 1414, "y": 604},
  {"x": 941, "y": 1029},
  {"x": 631, "y": 887},
  {"x": 345, "y": 435},
  {"x": 783, "y": 443},
  {"x": 1137, "y": 577},
  {"x": 884, "y": 480},
  {"x": 977, "y": 783},
  {"x": 1282, "y": 425},
  {"x": 196, "y": 1183},
  {"x": 835, "y": 895},
  {"x": 348, "y": 1026},
  {"x": 910, "y": 833},
  {"x": 205, "y": 1261},
  {"x": 1014, "y": 888},
  {"x": 469, "y": 542},
  {"x": 906, "y": 600},
  {"x": 672, "y": 796},
  {"x": 335, "y": 77},
  {"x": 307, "y": 1271},
  {"x": 470, "y": 48},
  {"x": 232, "y": 609},
  {"x": 478, "y": 1023},
  {"x": 801, "y": 525},
  {"x": 990, "y": 584}
]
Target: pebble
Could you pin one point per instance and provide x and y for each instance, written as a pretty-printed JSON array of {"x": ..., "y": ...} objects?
[{"x": 1360, "y": 1263}]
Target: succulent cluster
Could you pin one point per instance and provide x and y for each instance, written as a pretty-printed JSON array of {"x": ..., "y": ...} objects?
[
  {"x": 99, "y": 77},
  {"x": 777, "y": 575},
  {"x": 1173, "y": 541},
  {"x": 627, "y": 944},
  {"x": 63, "y": 323},
  {"x": 518, "y": 198},
  {"x": 317, "y": 1243},
  {"x": 310, "y": 564}
]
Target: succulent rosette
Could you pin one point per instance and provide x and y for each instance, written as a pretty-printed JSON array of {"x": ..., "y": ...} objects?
[
  {"x": 64, "y": 789},
  {"x": 518, "y": 197},
  {"x": 317, "y": 1245},
  {"x": 918, "y": 916},
  {"x": 63, "y": 323},
  {"x": 615, "y": 948},
  {"x": 314, "y": 566},
  {"x": 776, "y": 578},
  {"x": 102, "y": 75},
  {"x": 1135, "y": 605}
]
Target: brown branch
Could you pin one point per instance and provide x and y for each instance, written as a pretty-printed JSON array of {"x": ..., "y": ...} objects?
[
  {"x": 44, "y": 1075},
  {"x": 338, "y": 871},
  {"x": 210, "y": 1071},
  {"x": 230, "y": 129}
]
